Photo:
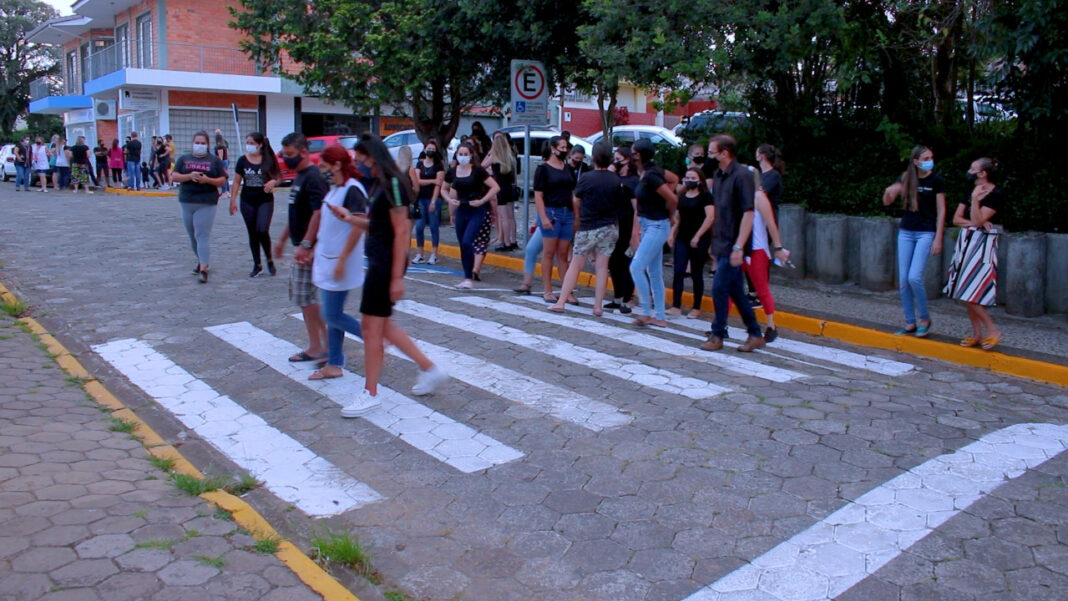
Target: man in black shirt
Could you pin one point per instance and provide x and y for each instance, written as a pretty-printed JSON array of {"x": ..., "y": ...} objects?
[
  {"x": 132, "y": 149},
  {"x": 23, "y": 164},
  {"x": 305, "y": 200},
  {"x": 733, "y": 191}
]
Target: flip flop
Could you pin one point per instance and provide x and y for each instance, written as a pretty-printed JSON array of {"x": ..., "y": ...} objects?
[
  {"x": 660, "y": 323},
  {"x": 969, "y": 341},
  {"x": 990, "y": 342},
  {"x": 549, "y": 298},
  {"x": 319, "y": 375},
  {"x": 642, "y": 320},
  {"x": 303, "y": 356}
]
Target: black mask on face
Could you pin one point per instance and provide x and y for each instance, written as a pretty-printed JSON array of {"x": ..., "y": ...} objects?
[
  {"x": 292, "y": 162},
  {"x": 971, "y": 177},
  {"x": 620, "y": 165},
  {"x": 431, "y": 153},
  {"x": 699, "y": 160},
  {"x": 691, "y": 185},
  {"x": 562, "y": 155}
]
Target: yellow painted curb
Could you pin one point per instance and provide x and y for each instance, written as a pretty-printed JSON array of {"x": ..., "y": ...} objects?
[
  {"x": 125, "y": 192},
  {"x": 309, "y": 572},
  {"x": 1022, "y": 367}
]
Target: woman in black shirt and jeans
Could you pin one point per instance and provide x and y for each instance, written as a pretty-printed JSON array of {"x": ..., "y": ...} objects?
[
  {"x": 469, "y": 190},
  {"x": 554, "y": 183}
]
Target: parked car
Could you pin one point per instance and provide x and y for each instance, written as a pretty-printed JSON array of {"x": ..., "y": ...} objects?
[
  {"x": 539, "y": 141},
  {"x": 707, "y": 123},
  {"x": 520, "y": 128},
  {"x": 7, "y": 159},
  {"x": 316, "y": 145},
  {"x": 625, "y": 135},
  {"x": 408, "y": 138}
]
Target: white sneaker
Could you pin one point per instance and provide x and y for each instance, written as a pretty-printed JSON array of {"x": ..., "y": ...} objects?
[
  {"x": 362, "y": 405},
  {"x": 418, "y": 259},
  {"x": 429, "y": 380},
  {"x": 433, "y": 260}
]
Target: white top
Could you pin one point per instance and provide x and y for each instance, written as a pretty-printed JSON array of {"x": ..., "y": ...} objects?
[
  {"x": 331, "y": 241},
  {"x": 760, "y": 233},
  {"x": 61, "y": 157},
  {"x": 40, "y": 157}
]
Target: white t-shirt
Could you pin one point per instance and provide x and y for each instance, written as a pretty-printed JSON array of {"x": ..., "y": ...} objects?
[
  {"x": 61, "y": 157},
  {"x": 40, "y": 157},
  {"x": 760, "y": 233},
  {"x": 333, "y": 233}
]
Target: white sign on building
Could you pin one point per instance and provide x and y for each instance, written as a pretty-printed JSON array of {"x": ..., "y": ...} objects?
[{"x": 139, "y": 99}]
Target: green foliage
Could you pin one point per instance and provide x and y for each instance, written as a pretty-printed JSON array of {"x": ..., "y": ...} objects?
[
  {"x": 164, "y": 463},
  {"x": 198, "y": 486},
  {"x": 214, "y": 562},
  {"x": 20, "y": 61},
  {"x": 160, "y": 543},
  {"x": 121, "y": 425},
  {"x": 343, "y": 548},
  {"x": 41, "y": 125},
  {"x": 267, "y": 546},
  {"x": 244, "y": 484},
  {"x": 14, "y": 308}
]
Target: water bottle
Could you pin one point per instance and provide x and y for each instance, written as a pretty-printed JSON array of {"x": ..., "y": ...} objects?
[{"x": 784, "y": 263}]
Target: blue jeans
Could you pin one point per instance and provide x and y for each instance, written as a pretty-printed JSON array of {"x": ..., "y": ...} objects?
[
  {"x": 133, "y": 170},
  {"x": 22, "y": 177},
  {"x": 332, "y": 308},
  {"x": 468, "y": 221},
  {"x": 532, "y": 250},
  {"x": 649, "y": 259},
  {"x": 729, "y": 285},
  {"x": 428, "y": 218},
  {"x": 64, "y": 177},
  {"x": 226, "y": 169},
  {"x": 563, "y": 223},
  {"x": 913, "y": 248}
]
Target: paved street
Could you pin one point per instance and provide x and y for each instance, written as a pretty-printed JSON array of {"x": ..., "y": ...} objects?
[{"x": 569, "y": 458}]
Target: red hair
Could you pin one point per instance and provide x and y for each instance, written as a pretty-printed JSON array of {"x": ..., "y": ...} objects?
[{"x": 335, "y": 154}]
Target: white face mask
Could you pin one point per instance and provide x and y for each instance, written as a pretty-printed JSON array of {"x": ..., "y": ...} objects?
[
  {"x": 200, "y": 149},
  {"x": 252, "y": 149},
  {"x": 463, "y": 159}
]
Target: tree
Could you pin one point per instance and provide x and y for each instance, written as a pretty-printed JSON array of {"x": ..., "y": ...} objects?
[{"x": 20, "y": 61}]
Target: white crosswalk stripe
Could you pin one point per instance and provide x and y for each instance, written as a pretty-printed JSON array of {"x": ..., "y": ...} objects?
[
  {"x": 433, "y": 433},
  {"x": 640, "y": 339},
  {"x": 287, "y": 468},
  {"x": 517, "y": 387},
  {"x": 620, "y": 367}
]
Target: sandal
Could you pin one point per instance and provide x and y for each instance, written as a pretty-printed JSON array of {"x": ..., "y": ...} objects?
[
  {"x": 642, "y": 320},
  {"x": 319, "y": 374},
  {"x": 695, "y": 314},
  {"x": 303, "y": 356},
  {"x": 571, "y": 300},
  {"x": 990, "y": 342},
  {"x": 549, "y": 298},
  {"x": 555, "y": 309},
  {"x": 522, "y": 291},
  {"x": 969, "y": 341},
  {"x": 598, "y": 312},
  {"x": 660, "y": 323}
]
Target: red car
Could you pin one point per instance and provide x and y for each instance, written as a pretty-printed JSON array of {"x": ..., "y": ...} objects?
[{"x": 316, "y": 144}]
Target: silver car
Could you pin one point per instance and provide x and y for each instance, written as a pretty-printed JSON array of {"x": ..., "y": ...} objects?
[{"x": 625, "y": 135}]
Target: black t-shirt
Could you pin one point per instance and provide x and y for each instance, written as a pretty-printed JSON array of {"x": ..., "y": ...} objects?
[
  {"x": 579, "y": 170},
  {"x": 924, "y": 218},
  {"x": 427, "y": 192},
  {"x": 101, "y": 154},
  {"x": 163, "y": 155},
  {"x": 556, "y": 185},
  {"x": 379, "y": 246},
  {"x": 253, "y": 177},
  {"x": 733, "y": 192},
  {"x": 79, "y": 153},
  {"x": 771, "y": 181},
  {"x": 651, "y": 205},
  {"x": 598, "y": 192},
  {"x": 23, "y": 156},
  {"x": 991, "y": 201},
  {"x": 505, "y": 181},
  {"x": 202, "y": 193},
  {"x": 133, "y": 150},
  {"x": 624, "y": 207},
  {"x": 468, "y": 187},
  {"x": 305, "y": 197},
  {"x": 692, "y": 214}
]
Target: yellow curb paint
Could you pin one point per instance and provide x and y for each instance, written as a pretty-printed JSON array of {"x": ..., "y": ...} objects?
[
  {"x": 125, "y": 192},
  {"x": 1033, "y": 369},
  {"x": 309, "y": 572}
]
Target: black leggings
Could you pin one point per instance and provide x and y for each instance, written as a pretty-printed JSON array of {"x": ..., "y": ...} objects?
[
  {"x": 696, "y": 257},
  {"x": 258, "y": 223},
  {"x": 619, "y": 269}
]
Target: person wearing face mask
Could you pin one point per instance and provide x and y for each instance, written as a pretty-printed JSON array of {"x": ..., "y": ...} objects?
[
  {"x": 695, "y": 159},
  {"x": 503, "y": 166},
  {"x": 469, "y": 190},
  {"x": 428, "y": 175},
  {"x": 655, "y": 203},
  {"x": 923, "y": 200},
  {"x": 554, "y": 182},
  {"x": 132, "y": 151},
  {"x": 202, "y": 175},
  {"x": 973, "y": 274},
  {"x": 619, "y": 262},
  {"x": 576, "y": 160},
  {"x": 690, "y": 239},
  {"x": 255, "y": 178}
]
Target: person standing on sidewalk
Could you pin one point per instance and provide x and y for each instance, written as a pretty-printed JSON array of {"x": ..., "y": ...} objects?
[
  {"x": 305, "y": 201},
  {"x": 734, "y": 192},
  {"x": 690, "y": 240},
  {"x": 255, "y": 177},
  {"x": 23, "y": 164},
  {"x": 554, "y": 183},
  {"x": 503, "y": 166},
  {"x": 132, "y": 150},
  {"x": 61, "y": 162},
  {"x": 428, "y": 176},
  {"x": 81, "y": 170},
  {"x": 39, "y": 155},
  {"x": 388, "y": 240},
  {"x": 973, "y": 274},
  {"x": 100, "y": 154},
  {"x": 116, "y": 162},
  {"x": 923, "y": 198},
  {"x": 222, "y": 150},
  {"x": 655, "y": 204},
  {"x": 202, "y": 175}
]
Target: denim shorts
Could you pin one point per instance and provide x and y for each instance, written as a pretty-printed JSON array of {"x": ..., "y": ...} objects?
[{"x": 563, "y": 223}]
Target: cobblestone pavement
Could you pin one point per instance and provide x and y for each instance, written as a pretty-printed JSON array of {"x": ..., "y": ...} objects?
[
  {"x": 676, "y": 493},
  {"x": 84, "y": 516}
]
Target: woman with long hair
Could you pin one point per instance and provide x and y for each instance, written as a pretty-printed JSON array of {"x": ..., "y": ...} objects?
[
  {"x": 619, "y": 262},
  {"x": 973, "y": 274},
  {"x": 339, "y": 247},
  {"x": 100, "y": 154},
  {"x": 200, "y": 174},
  {"x": 428, "y": 177},
  {"x": 387, "y": 244},
  {"x": 256, "y": 175},
  {"x": 923, "y": 199},
  {"x": 80, "y": 168},
  {"x": 503, "y": 166},
  {"x": 116, "y": 163},
  {"x": 469, "y": 190},
  {"x": 655, "y": 203},
  {"x": 61, "y": 162},
  {"x": 554, "y": 183},
  {"x": 690, "y": 239}
]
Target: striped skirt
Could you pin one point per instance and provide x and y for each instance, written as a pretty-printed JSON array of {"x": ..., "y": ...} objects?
[{"x": 973, "y": 273}]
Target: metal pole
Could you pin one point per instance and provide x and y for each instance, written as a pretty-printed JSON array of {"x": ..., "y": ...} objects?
[{"x": 526, "y": 185}]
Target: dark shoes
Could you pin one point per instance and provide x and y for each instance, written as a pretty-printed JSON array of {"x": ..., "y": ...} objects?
[
  {"x": 751, "y": 344},
  {"x": 270, "y": 268},
  {"x": 203, "y": 276},
  {"x": 256, "y": 270},
  {"x": 770, "y": 335},
  {"x": 714, "y": 343}
]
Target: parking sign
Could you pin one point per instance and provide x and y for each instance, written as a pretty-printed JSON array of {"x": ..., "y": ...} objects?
[{"x": 530, "y": 93}]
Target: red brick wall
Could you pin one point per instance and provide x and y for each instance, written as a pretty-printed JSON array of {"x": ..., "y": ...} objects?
[
  {"x": 107, "y": 131},
  {"x": 130, "y": 16},
  {"x": 206, "y": 100},
  {"x": 200, "y": 39}
]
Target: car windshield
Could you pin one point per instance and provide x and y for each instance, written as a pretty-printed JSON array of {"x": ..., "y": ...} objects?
[
  {"x": 394, "y": 140},
  {"x": 316, "y": 145},
  {"x": 349, "y": 142}
]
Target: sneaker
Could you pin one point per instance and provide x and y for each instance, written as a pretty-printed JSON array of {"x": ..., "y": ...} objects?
[
  {"x": 433, "y": 260},
  {"x": 754, "y": 301},
  {"x": 612, "y": 305},
  {"x": 363, "y": 404},
  {"x": 418, "y": 259},
  {"x": 429, "y": 380},
  {"x": 256, "y": 270},
  {"x": 770, "y": 335},
  {"x": 751, "y": 344},
  {"x": 270, "y": 268},
  {"x": 625, "y": 309}
]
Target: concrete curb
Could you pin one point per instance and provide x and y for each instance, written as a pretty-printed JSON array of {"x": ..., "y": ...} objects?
[
  {"x": 309, "y": 572},
  {"x": 125, "y": 192},
  {"x": 1022, "y": 367}
]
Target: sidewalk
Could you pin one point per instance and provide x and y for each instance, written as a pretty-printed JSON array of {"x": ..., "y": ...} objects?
[{"x": 85, "y": 516}]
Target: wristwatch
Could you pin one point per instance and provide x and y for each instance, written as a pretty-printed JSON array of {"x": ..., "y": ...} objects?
[
  {"x": 736, "y": 248},
  {"x": 306, "y": 244}
]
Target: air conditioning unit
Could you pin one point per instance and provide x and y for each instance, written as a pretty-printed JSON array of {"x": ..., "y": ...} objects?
[{"x": 104, "y": 110}]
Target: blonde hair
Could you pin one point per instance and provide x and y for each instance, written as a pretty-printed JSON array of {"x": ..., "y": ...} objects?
[
  {"x": 501, "y": 153},
  {"x": 404, "y": 158}
]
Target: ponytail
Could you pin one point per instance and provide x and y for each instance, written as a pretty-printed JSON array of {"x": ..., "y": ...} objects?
[
  {"x": 270, "y": 160},
  {"x": 910, "y": 180},
  {"x": 774, "y": 156}
]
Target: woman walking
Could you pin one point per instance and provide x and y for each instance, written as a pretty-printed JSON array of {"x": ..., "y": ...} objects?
[
  {"x": 690, "y": 239},
  {"x": 339, "y": 247},
  {"x": 387, "y": 258},
  {"x": 81, "y": 169},
  {"x": 255, "y": 177},
  {"x": 554, "y": 183},
  {"x": 39, "y": 156},
  {"x": 503, "y": 166},
  {"x": 619, "y": 262},
  {"x": 116, "y": 162},
  {"x": 469, "y": 190},
  {"x": 923, "y": 198},
  {"x": 973, "y": 274},
  {"x": 202, "y": 174},
  {"x": 766, "y": 245},
  {"x": 428, "y": 176},
  {"x": 596, "y": 196},
  {"x": 656, "y": 203},
  {"x": 222, "y": 151}
]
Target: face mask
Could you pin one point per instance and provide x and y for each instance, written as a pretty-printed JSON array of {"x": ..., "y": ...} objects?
[
  {"x": 971, "y": 177},
  {"x": 699, "y": 160},
  {"x": 562, "y": 155},
  {"x": 688, "y": 161},
  {"x": 464, "y": 159},
  {"x": 252, "y": 149},
  {"x": 292, "y": 162},
  {"x": 690, "y": 184},
  {"x": 200, "y": 149},
  {"x": 431, "y": 153},
  {"x": 328, "y": 175},
  {"x": 365, "y": 171},
  {"x": 927, "y": 165},
  {"x": 620, "y": 164}
]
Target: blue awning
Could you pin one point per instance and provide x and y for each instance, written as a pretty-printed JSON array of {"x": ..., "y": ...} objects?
[{"x": 57, "y": 105}]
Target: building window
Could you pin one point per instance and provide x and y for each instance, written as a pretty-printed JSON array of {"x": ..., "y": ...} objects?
[
  {"x": 72, "y": 72},
  {"x": 122, "y": 44},
  {"x": 145, "y": 47}
]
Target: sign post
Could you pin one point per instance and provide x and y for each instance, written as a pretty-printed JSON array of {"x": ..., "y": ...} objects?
[{"x": 529, "y": 106}]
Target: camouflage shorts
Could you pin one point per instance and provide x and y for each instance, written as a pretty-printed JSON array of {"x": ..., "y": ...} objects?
[{"x": 601, "y": 241}]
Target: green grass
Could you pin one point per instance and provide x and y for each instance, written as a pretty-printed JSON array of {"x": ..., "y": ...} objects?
[
  {"x": 140, "y": 513},
  {"x": 342, "y": 548},
  {"x": 192, "y": 533},
  {"x": 207, "y": 560},
  {"x": 222, "y": 514},
  {"x": 121, "y": 425},
  {"x": 15, "y": 308},
  {"x": 156, "y": 543},
  {"x": 198, "y": 486},
  {"x": 7, "y": 336},
  {"x": 398, "y": 596},
  {"x": 77, "y": 380},
  {"x": 267, "y": 546},
  {"x": 164, "y": 463},
  {"x": 243, "y": 485}
]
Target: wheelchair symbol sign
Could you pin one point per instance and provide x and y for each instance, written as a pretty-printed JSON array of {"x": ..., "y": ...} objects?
[{"x": 520, "y": 106}]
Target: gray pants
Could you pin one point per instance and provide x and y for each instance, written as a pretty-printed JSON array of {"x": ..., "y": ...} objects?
[{"x": 198, "y": 220}]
